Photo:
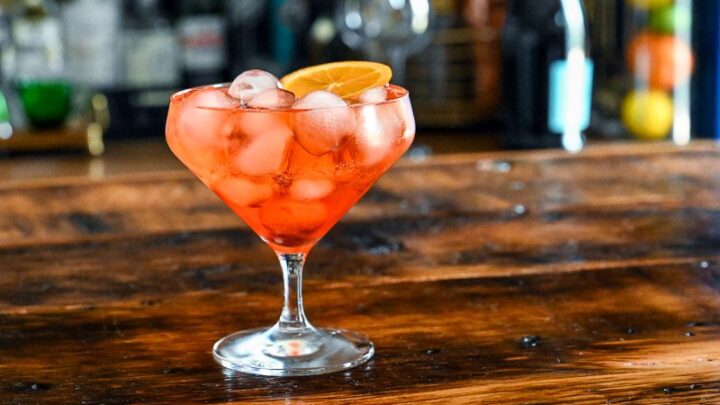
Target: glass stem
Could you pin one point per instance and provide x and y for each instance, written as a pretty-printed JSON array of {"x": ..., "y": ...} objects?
[{"x": 292, "y": 318}]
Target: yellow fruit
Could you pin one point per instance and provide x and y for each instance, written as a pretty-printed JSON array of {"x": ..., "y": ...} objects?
[
  {"x": 649, "y": 4},
  {"x": 648, "y": 114},
  {"x": 346, "y": 79}
]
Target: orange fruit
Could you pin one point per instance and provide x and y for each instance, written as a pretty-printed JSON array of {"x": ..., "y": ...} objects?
[
  {"x": 664, "y": 61},
  {"x": 346, "y": 79}
]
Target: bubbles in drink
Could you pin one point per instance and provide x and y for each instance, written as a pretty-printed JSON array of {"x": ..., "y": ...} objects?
[
  {"x": 325, "y": 125},
  {"x": 348, "y": 166},
  {"x": 272, "y": 98},
  {"x": 242, "y": 192},
  {"x": 250, "y": 83},
  {"x": 266, "y": 146},
  {"x": 373, "y": 95}
]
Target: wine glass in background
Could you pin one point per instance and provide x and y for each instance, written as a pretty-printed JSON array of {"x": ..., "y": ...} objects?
[{"x": 387, "y": 30}]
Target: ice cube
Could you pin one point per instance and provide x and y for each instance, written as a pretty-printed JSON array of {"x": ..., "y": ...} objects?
[
  {"x": 198, "y": 124},
  {"x": 379, "y": 130},
  {"x": 374, "y": 95},
  {"x": 324, "y": 124},
  {"x": 202, "y": 116},
  {"x": 242, "y": 192},
  {"x": 311, "y": 188},
  {"x": 319, "y": 99},
  {"x": 272, "y": 98},
  {"x": 253, "y": 124},
  {"x": 303, "y": 164},
  {"x": 250, "y": 83},
  {"x": 210, "y": 97},
  {"x": 266, "y": 149},
  {"x": 348, "y": 164}
]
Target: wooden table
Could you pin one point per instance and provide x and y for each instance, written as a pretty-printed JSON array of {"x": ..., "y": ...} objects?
[{"x": 535, "y": 277}]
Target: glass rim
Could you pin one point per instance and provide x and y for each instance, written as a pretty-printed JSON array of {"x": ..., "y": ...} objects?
[{"x": 175, "y": 96}]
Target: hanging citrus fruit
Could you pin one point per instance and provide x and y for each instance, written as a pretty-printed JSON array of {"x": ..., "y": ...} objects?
[
  {"x": 647, "y": 114},
  {"x": 664, "y": 61}
]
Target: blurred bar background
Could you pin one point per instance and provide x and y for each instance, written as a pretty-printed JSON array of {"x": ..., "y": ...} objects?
[{"x": 78, "y": 72}]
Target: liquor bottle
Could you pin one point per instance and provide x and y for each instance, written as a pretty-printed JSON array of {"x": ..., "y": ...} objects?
[
  {"x": 92, "y": 28},
  {"x": 706, "y": 85},
  {"x": 10, "y": 109},
  {"x": 7, "y": 49},
  {"x": 201, "y": 27},
  {"x": 439, "y": 77},
  {"x": 38, "y": 41},
  {"x": 285, "y": 17},
  {"x": 40, "y": 76},
  {"x": 151, "y": 51},
  {"x": 244, "y": 38},
  {"x": 547, "y": 80}
]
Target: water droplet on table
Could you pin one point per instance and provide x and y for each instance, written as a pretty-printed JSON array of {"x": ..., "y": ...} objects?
[
  {"x": 530, "y": 341},
  {"x": 500, "y": 166},
  {"x": 519, "y": 209}
]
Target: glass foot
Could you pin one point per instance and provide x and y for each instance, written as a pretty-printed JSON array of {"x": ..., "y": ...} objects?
[{"x": 310, "y": 351}]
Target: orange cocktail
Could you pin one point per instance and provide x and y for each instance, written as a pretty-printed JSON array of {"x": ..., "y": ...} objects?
[
  {"x": 290, "y": 158},
  {"x": 266, "y": 166}
]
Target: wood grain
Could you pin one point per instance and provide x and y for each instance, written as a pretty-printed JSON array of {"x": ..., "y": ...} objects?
[{"x": 113, "y": 291}]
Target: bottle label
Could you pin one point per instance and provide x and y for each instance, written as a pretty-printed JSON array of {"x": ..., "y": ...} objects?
[
  {"x": 203, "y": 43},
  {"x": 151, "y": 58},
  {"x": 39, "y": 48},
  {"x": 91, "y": 32},
  {"x": 563, "y": 112}
]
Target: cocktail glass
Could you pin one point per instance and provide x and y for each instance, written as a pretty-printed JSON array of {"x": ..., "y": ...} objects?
[{"x": 290, "y": 175}]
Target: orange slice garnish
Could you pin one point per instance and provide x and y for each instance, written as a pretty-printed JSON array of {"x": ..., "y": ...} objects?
[{"x": 346, "y": 79}]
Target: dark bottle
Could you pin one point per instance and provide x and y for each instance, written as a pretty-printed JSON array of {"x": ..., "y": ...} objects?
[
  {"x": 150, "y": 48},
  {"x": 201, "y": 28},
  {"x": 536, "y": 77},
  {"x": 244, "y": 37}
]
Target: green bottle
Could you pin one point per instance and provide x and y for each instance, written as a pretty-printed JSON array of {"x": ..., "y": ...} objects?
[
  {"x": 43, "y": 90},
  {"x": 46, "y": 102}
]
